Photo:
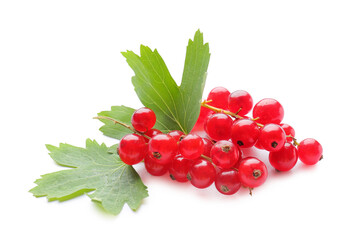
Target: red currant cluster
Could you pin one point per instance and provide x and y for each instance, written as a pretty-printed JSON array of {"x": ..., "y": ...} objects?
[{"x": 218, "y": 156}]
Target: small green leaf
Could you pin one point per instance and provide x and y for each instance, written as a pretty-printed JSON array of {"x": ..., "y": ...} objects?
[
  {"x": 93, "y": 169},
  {"x": 176, "y": 108}
]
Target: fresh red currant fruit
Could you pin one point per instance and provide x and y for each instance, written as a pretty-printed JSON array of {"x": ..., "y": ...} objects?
[
  {"x": 132, "y": 149},
  {"x": 240, "y": 102},
  {"x": 284, "y": 159},
  {"x": 310, "y": 151},
  {"x": 163, "y": 148},
  {"x": 218, "y": 126},
  {"x": 151, "y": 133},
  {"x": 244, "y": 133},
  {"x": 252, "y": 172},
  {"x": 202, "y": 173},
  {"x": 153, "y": 167},
  {"x": 268, "y": 110},
  {"x": 224, "y": 154},
  {"x": 143, "y": 119},
  {"x": 227, "y": 181},
  {"x": 272, "y": 137},
  {"x": 179, "y": 168},
  {"x": 176, "y": 134},
  {"x": 203, "y": 115},
  {"x": 289, "y": 131},
  {"x": 219, "y": 97},
  {"x": 207, "y": 146},
  {"x": 191, "y": 146}
]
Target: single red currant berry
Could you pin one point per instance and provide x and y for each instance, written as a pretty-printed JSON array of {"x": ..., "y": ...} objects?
[
  {"x": 240, "y": 102},
  {"x": 153, "y": 167},
  {"x": 202, "y": 173},
  {"x": 163, "y": 148},
  {"x": 218, "y": 97},
  {"x": 218, "y": 126},
  {"x": 207, "y": 146},
  {"x": 132, "y": 149},
  {"x": 268, "y": 110},
  {"x": 272, "y": 137},
  {"x": 244, "y": 133},
  {"x": 151, "y": 133},
  {"x": 143, "y": 119},
  {"x": 176, "y": 134},
  {"x": 179, "y": 168},
  {"x": 224, "y": 154},
  {"x": 252, "y": 172},
  {"x": 284, "y": 159},
  {"x": 227, "y": 181},
  {"x": 310, "y": 151},
  {"x": 289, "y": 131},
  {"x": 203, "y": 115},
  {"x": 191, "y": 146}
]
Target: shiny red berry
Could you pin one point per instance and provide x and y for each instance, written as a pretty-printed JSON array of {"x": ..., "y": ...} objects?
[
  {"x": 151, "y": 133},
  {"x": 244, "y": 133},
  {"x": 207, "y": 147},
  {"x": 252, "y": 172},
  {"x": 268, "y": 110},
  {"x": 179, "y": 168},
  {"x": 310, "y": 151},
  {"x": 224, "y": 154},
  {"x": 153, "y": 167},
  {"x": 284, "y": 159},
  {"x": 288, "y": 130},
  {"x": 219, "y": 97},
  {"x": 176, "y": 134},
  {"x": 227, "y": 181},
  {"x": 240, "y": 102},
  {"x": 132, "y": 149},
  {"x": 191, "y": 146},
  {"x": 143, "y": 119},
  {"x": 163, "y": 148},
  {"x": 272, "y": 137},
  {"x": 202, "y": 173},
  {"x": 218, "y": 126}
]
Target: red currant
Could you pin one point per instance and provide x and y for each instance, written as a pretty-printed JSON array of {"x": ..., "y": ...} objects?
[
  {"x": 227, "y": 181},
  {"x": 284, "y": 159},
  {"x": 202, "y": 173},
  {"x": 240, "y": 102},
  {"x": 218, "y": 126},
  {"x": 163, "y": 148},
  {"x": 207, "y": 146},
  {"x": 219, "y": 97},
  {"x": 191, "y": 146},
  {"x": 151, "y": 133},
  {"x": 176, "y": 134},
  {"x": 143, "y": 119},
  {"x": 244, "y": 133},
  {"x": 153, "y": 167},
  {"x": 224, "y": 154},
  {"x": 179, "y": 168},
  {"x": 288, "y": 130},
  {"x": 310, "y": 151},
  {"x": 252, "y": 172},
  {"x": 268, "y": 110},
  {"x": 272, "y": 137},
  {"x": 132, "y": 149}
]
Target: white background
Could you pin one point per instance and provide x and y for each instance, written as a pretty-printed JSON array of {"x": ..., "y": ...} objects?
[{"x": 60, "y": 64}]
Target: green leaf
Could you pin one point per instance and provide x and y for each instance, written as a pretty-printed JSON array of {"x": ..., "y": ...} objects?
[
  {"x": 175, "y": 107},
  {"x": 93, "y": 169}
]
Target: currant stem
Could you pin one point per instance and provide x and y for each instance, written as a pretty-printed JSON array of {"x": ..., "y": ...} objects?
[
  {"x": 294, "y": 140},
  {"x": 122, "y": 124},
  {"x": 206, "y": 158},
  {"x": 219, "y": 110}
]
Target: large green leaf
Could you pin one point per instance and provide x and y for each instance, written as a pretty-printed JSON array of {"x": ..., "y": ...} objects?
[
  {"x": 94, "y": 168},
  {"x": 175, "y": 107}
]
